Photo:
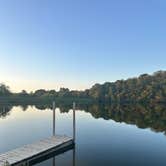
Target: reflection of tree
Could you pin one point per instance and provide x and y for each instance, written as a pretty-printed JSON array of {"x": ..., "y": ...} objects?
[
  {"x": 142, "y": 115},
  {"x": 5, "y": 111},
  {"x": 24, "y": 107},
  {"x": 64, "y": 108},
  {"x": 42, "y": 106}
]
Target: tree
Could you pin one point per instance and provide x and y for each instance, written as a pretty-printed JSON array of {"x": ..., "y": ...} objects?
[
  {"x": 40, "y": 92},
  {"x": 23, "y": 93},
  {"x": 63, "y": 92},
  {"x": 4, "y": 90}
]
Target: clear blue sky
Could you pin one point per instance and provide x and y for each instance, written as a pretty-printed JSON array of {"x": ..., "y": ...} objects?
[{"x": 76, "y": 43}]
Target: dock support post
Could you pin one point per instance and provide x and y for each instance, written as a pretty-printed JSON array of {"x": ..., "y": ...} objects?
[
  {"x": 74, "y": 122},
  {"x": 53, "y": 161},
  {"x": 53, "y": 118},
  {"x": 74, "y": 156}
]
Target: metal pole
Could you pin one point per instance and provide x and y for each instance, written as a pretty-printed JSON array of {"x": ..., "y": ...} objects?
[
  {"x": 74, "y": 122},
  {"x": 53, "y": 161},
  {"x": 74, "y": 156},
  {"x": 53, "y": 118}
]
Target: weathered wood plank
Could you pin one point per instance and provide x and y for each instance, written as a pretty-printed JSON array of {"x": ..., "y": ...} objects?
[{"x": 31, "y": 150}]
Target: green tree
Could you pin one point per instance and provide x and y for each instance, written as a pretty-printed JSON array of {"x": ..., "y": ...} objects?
[{"x": 4, "y": 90}]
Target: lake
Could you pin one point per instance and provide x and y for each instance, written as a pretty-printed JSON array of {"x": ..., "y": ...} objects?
[{"x": 114, "y": 135}]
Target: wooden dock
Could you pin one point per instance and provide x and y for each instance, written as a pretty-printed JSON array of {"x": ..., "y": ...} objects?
[
  {"x": 35, "y": 150},
  {"x": 40, "y": 149}
]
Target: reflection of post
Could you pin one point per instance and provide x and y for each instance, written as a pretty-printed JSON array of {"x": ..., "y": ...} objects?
[
  {"x": 3, "y": 109},
  {"x": 53, "y": 161},
  {"x": 74, "y": 122},
  {"x": 74, "y": 156},
  {"x": 53, "y": 118}
]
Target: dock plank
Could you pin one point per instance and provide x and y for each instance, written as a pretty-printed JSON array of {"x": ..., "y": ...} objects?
[{"x": 29, "y": 151}]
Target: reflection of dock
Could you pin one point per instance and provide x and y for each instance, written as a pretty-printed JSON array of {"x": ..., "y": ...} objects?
[{"x": 32, "y": 152}]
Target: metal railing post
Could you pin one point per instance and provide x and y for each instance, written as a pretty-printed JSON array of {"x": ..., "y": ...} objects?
[
  {"x": 74, "y": 122},
  {"x": 53, "y": 118}
]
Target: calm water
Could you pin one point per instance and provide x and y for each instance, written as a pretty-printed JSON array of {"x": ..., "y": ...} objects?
[{"x": 106, "y": 135}]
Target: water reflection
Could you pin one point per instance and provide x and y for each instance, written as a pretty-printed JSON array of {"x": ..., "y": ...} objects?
[
  {"x": 99, "y": 139},
  {"x": 53, "y": 161},
  {"x": 5, "y": 110},
  {"x": 151, "y": 116}
]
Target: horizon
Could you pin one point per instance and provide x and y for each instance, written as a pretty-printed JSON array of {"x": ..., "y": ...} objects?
[
  {"x": 150, "y": 74},
  {"x": 75, "y": 44}
]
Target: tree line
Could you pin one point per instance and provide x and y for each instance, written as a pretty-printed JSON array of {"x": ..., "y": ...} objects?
[{"x": 151, "y": 88}]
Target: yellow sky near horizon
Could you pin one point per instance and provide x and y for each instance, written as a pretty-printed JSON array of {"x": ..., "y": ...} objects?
[{"x": 17, "y": 85}]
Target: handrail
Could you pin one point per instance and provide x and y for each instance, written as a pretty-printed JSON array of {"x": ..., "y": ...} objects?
[{"x": 74, "y": 120}]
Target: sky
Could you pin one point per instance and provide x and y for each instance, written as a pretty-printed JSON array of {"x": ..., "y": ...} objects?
[{"x": 76, "y": 43}]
